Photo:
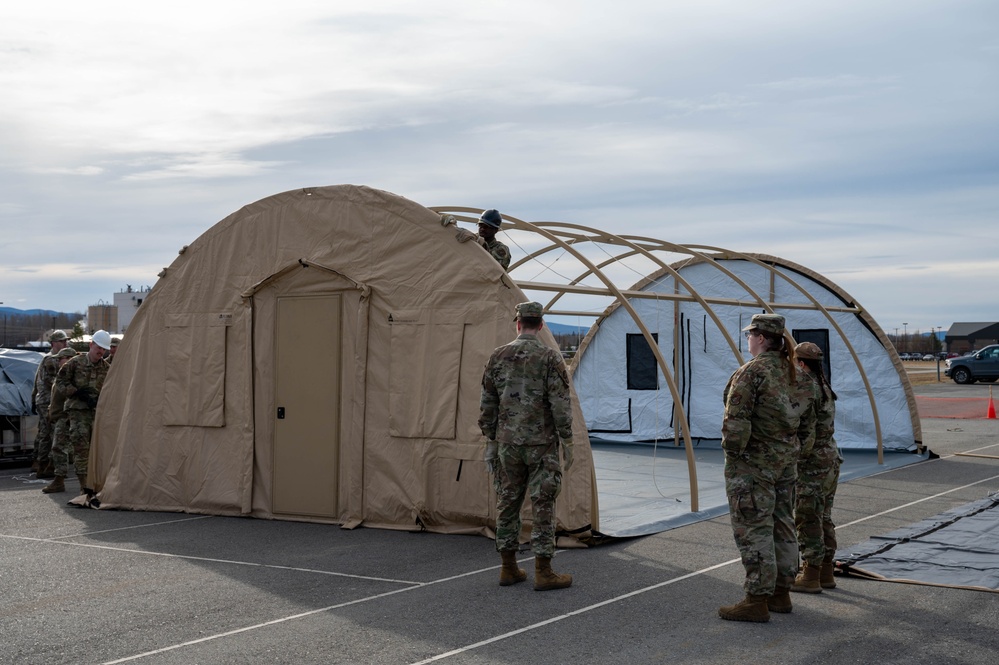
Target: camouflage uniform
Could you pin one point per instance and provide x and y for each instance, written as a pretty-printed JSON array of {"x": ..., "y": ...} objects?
[
  {"x": 499, "y": 251},
  {"x": 759, "y": 436},
  {"x": 40, "y": 396},
  {"x": 818, "y": 476},
  {"x": 79, "y": 372},
  {"x": 526, "y": 409},
  {"x": 60, "y": 432}
]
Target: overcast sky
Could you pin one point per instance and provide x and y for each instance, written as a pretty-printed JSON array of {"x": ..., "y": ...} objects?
[{"x": 857, "y": 138}]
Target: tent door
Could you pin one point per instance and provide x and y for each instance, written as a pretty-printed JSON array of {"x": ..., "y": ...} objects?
[{"x": 307, "y": 405}]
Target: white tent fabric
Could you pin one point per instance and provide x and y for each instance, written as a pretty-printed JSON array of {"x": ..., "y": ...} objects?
[{"x": 702, "y": 359}]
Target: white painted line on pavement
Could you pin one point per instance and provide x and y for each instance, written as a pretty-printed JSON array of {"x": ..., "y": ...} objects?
[
  {"x": 210, "y": 560},
  {"x": 296, "y": 616}
]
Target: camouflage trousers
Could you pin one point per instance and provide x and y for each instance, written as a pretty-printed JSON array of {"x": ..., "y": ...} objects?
[
  {"x": 43, "y": 440},
  {"x": 761, "y": 502},
  {"x": 80, "y": 425},
  {"x": 815, "y": 491},
  {"x": 60, "y": 446},
  {"x": 523, "y": 468}
]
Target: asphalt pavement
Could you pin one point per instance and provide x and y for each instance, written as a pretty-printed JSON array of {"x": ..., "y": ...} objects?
[{"x": 91, "y": 586}]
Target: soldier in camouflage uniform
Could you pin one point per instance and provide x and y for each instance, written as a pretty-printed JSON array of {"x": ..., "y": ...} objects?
[
  {"x": 818, "y": 476},
  {"x": 489, "y": 223},
  {"x": 109, "y": 357},
  {"x": 57, "y": 415},
  {"x": 760, "y": 440},
  {"x": 40, "y": 395},
  {"x": 525, "y": 413},
  {"x": 81, "y": 380}
]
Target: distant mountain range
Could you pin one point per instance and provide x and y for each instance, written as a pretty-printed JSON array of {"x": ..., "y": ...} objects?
[
  {"x": 563, "y": 329},
  {"x": 32, "y": 312}
]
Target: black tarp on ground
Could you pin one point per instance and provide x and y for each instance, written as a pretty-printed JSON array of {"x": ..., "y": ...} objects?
[{"x": 958, "y": 548}]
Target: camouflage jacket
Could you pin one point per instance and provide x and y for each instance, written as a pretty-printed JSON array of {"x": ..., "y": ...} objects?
[
  {"x": 761, "y": 417},
  {"x": 823, "y": 452},
  {"x": 525, "y": 395},
  {"x": 44, "y": 378},
  {"x": 57, "y": 404},
  {"x": 499, "y": 251},
  {"x": 806, "y": 397},
  {"x": 77, "y": 373}
]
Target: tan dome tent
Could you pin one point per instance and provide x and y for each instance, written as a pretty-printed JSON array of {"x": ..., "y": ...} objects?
[{"x": 317, "y": 356}]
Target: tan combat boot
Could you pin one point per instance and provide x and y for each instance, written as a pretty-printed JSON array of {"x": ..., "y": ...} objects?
[
  {"x": 34, "y": 466},
  {"x": 545, "y": 578},
  {"x": 807, "y": 580},
  {"x": 46, "y": 470},
  {"x": 751, "y": 608},
  {"x": 509, "y": 572},
  {"x": 826, "y": 579},
  {"x": 780, "y": 601},
  {"x": 57, "y": 485}
]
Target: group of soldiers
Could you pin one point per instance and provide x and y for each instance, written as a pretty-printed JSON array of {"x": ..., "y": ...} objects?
[
  {"x": 781, "y": 460},
  {"x": 781, "y": 470},
  {"x": 67, "y": 387}
]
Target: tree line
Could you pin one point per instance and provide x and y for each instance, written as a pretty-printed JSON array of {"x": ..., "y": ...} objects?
[{"x": 20, "y": 329}]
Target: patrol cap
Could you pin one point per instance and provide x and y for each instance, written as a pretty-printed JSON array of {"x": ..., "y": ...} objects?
[
  {"x": 808, "y": 351},
  {"x": 768, "y": 323},
  {"x": 115, "y": 341},
  {"x": 102, "y": 338},
  {"x": 68, "y": 352},
  {"x": 58, "y": 336},
  {"x": 527, "y": 309},
  {"x": 491, "y": 218}
]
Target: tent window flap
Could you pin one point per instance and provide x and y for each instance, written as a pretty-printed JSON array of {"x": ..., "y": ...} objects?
[
  {"x": 194, "y": 380},
  {"x": 643, "y": 372},
  {"x": 426, "y": 359}
]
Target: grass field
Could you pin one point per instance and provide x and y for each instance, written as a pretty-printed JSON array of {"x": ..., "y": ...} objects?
[{"x": 921, "y": 372}]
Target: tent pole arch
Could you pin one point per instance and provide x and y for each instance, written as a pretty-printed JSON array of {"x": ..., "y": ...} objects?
[
  {"x": 653, "y": 346},
  {"x": 565, "y": 236}
]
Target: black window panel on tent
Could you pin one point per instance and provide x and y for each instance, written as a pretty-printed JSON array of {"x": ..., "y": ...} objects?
[
  {"x": 643, "y": 372},
  {"x": 819, "y": 337}
]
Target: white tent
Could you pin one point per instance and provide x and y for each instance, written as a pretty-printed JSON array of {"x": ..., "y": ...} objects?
[
  {"x": 691, "y": 329},
  {"x": 625, "y": 396}
]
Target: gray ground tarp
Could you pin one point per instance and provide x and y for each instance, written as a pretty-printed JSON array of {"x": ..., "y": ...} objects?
[
  {"x": 958, "y": 548},
  {"x": 17, "y": 377}
]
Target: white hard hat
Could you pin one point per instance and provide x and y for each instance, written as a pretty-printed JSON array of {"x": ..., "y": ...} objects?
[{"x": 102, "y": 338}]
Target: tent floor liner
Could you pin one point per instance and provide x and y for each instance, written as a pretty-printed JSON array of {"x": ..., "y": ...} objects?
[
  {"x": 956, "y": 549},
  {"x": 644, "y": 489}
]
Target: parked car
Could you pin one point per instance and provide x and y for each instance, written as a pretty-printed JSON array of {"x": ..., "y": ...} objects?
[
  {"x": 976, "y": 366},
  {"x": 929, "y": 356}
]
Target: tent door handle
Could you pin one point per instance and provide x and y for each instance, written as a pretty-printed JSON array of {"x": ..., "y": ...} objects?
[{"x": 280, "y": 413}]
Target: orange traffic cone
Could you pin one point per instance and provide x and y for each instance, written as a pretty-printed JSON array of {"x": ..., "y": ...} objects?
[{"x": 992, "y": 407}]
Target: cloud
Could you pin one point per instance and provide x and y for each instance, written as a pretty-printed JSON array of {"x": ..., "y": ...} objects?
[{"x": 68, "y": 170}]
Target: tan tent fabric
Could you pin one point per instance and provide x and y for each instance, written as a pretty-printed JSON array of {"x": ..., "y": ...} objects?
[{"x": 317, "y": 356}]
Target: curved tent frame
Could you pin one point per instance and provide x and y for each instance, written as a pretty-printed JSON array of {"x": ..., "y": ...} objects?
[{"x": 587, "y": 263}]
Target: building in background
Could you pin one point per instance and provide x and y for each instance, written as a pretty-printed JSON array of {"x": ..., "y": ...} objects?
[
  {"x": 102, "y": 316},
  {"x": 127, "y": 301},
  {"x": 115, "y": 317},
  {"x": 964, "y": 337}
]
